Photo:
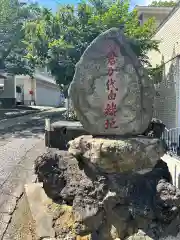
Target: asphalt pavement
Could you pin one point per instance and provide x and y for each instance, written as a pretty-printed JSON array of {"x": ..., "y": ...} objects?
[
  {"x": 21, "y": 111},
  {"x": 21, "y": 141}
]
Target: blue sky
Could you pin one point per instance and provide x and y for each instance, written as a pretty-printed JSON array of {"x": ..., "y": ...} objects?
[{"x": 53, "y": 3}]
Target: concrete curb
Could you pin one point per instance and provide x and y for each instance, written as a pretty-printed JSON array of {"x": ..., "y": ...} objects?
[
  {"x": 41, "y": 217},
  {"x": 22, "y": 174},
  {"x": 36, "y": 200}
]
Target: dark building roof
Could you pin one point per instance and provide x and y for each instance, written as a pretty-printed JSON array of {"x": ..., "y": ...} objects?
[{"x": 3, "y": 75}]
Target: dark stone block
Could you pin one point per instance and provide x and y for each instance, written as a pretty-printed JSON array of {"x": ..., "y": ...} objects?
[
  {"x": 62, "y": 132},
  {"x": 155, "y": 128}
]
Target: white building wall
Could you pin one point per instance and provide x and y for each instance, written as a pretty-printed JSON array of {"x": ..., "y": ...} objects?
[
  {"x": 26, "y": 82},
  {"x": 158, "y": 17},
  {"x": 167, "y": 98},
  {"x": 158, "y": 13},
  {"x": 169, "y": 36},
  {"x": 47, "y": 95},
  {"x": 167, "y": 104}
]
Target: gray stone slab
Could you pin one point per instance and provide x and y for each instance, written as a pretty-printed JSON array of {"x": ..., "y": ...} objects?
[
  {"x": 66, "y": 124},
  {"x": 111, "y": 91}
]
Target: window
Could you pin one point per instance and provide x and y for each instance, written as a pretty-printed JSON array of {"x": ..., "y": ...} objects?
[
  {"x": 140, "y": 19},
  {"x": 1, "y": 84},
  {"x": 18, "y": 89}
]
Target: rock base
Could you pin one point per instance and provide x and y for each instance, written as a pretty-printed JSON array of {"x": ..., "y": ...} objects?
[
  {"x": 110, "y": 206},
  {"x": 117, "y": 155}
]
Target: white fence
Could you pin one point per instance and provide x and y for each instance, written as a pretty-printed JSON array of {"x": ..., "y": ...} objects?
[{"x": 174, "y": 168}]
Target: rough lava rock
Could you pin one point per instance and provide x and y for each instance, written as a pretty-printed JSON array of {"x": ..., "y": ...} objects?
[
  {"x": 114, "y": 205},
  {"x": 117, "y": 155},
  {"x": 155, "y": 128},
  {"x": 131, "y": 89}
]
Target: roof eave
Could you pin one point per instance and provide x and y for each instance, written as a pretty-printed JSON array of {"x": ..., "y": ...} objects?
[
  {"x": 168, "y": 17},
  {"x": 144, "y": 9}
]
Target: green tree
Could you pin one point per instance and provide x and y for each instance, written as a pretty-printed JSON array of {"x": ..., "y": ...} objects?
[
  {"x": 57, "y": 40},
  {"x": 12, "y": 49},
  {"x": 163, "y": 4}
]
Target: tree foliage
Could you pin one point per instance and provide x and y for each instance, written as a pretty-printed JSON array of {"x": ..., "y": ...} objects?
[
  {"x": 12, "y": 49},
  {"x": 57, "y": 40},
  {"x": 163, "y": 4}
]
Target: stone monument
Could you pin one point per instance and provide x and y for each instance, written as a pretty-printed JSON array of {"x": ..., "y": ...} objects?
[
  {"x": 113, "y": 182},
  {"x": 115, "y": 95}
]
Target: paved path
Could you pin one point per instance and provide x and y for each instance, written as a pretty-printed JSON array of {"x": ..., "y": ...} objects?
[{"x": 21, "y": 141}]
